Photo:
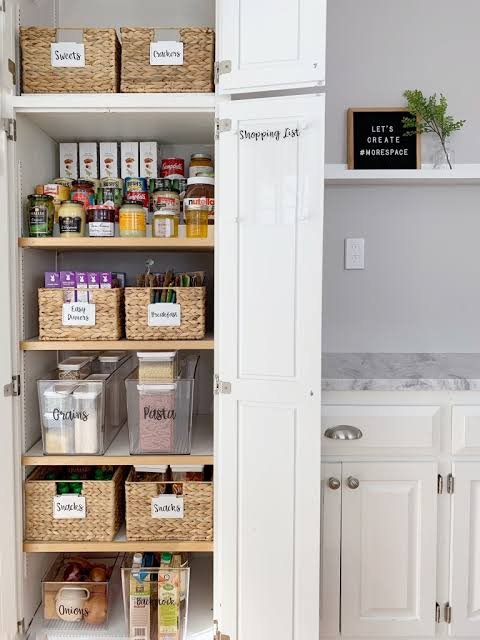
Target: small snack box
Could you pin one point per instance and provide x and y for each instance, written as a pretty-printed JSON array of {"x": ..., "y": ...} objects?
[
  {"x": 157, "y": 366},
  {"x": 74, "y": 368},
  {"x": 77, "y": 589}
]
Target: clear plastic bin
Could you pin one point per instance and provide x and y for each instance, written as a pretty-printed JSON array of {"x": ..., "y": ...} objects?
[
  {"x": 157, "y": 366},
  {"x": 116, "y": 401},
  {"x": 110, "y": 361},
  {"x": 159, "y": 416},
  {"x": 74, "y": 368}
]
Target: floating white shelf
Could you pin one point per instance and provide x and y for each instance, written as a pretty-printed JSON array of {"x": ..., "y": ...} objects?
[{"x": 338, "y": 174}]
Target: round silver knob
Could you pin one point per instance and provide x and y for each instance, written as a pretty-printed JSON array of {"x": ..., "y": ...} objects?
[
  {"x": 353, "y": 483},
  {"x": 334, "y": 483}
]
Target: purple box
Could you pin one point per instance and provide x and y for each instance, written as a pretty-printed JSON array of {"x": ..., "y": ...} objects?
[
  {"x": 52, "y": 280},
  {"x": 67, "y": 279},
  {"x": 105, "y": 280},
  {"x": 70, "y": 295},
  {"x": 81, "y": 279},
  {"x": 93, "y": 279}
]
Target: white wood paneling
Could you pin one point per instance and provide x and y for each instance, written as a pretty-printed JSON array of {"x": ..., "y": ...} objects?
[
  {"x": 466, "y": 430},
  {"x": 330, "y": 536}
]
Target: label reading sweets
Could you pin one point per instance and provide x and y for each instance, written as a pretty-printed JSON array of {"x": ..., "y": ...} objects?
[
  {"x": 68, "y": 506},
  {"x": 78, "y": 314},
  {"x": 164, "y": 314},
  {"x": 167, "y": 507},
  {"x": 67, "y": 54},
  {"x": 166, "y": 53}
]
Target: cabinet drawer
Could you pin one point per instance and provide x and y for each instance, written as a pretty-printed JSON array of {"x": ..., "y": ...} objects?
[
  {"x": 385, "y": 430},
  {"x": 466, "y": 430}
]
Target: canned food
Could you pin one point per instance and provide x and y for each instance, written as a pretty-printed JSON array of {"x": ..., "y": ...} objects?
[
  {"x": 135, "y": 184},
  {"x": 173, "y": 168},
  {"x": 66, "y": 182},
  {"x": 83, "y": 191},
  {"x": 140, "y": 197},
  {"x": 115, "y": 183},
  {"x": 40, "y": 216},
  {"x": 111, "y": 196}
]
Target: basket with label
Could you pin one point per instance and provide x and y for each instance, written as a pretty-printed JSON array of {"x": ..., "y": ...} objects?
[
  {"x": 90, "y": 66},
  {"x": 154, "y": 65},
  {"x": 161, "y": 510},
  {"x": 74, "y": 503},
  {"x": 147, "y": 319},
  {"x": 98, "y": 319}
]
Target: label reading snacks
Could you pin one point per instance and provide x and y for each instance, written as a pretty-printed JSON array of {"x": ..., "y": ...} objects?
[
  {"x": 69, "y": 506},
  {"x": 164, "y": 314},
  {"x": 167, "y": 506},
  {"x": 67, "y": 54},
  {"x": 78, "y": 314},
  {"x": 166, "y": 53}
]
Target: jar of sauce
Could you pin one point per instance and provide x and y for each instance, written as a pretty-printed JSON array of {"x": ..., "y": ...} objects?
[
  {"x": 71, "y": 219},
  {"x": 196, "y": 221},
  {"x": 201, "y": 190},
  {"x": 101, "y": 221},
  {"x": 165, "y": 224},
  {"x": 200, "y": 163},
  {"x": 40, "y": 216},
  {"x": 166, "y": 199},
  {"x": 83, "y": 191},
  {"x": 132, "y": 220}
]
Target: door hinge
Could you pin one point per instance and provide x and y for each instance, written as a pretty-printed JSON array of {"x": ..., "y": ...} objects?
[
  {"x": 12, "y": 67},
  {"x": 224, "y": 66},
  {"x": 450, "y": 483},
  {"x": 438, "y": 614},
  {"x": 13, "y": 388},
  {"x": 3, "y": 6},
  {"x": 21, "y": 626},
  {"x": 221, "y": 125},
  {"x": 447, "y": 613},
  {"x": 439, "y": 484},
  {"x": 221, "y": 387},
  {"x": 9, "y": 125}
]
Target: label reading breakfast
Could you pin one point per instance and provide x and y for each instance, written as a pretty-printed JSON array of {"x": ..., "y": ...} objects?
[
  {"x": 269, "y": 134},
  {"x": 78, "y": 314},
  {"x": 164, "y": 314},
  {"x": 67, "y": 54},
  {"x": 69, "y": 506},
  {"x": 166, "y": 53},
  {"x": 167, "y": 506}
]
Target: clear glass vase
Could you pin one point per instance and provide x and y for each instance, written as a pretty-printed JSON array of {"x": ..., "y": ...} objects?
[{"x": 443, "y": 157}]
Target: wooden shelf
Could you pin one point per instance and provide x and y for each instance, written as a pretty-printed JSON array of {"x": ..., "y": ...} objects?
[
  {"x": 121, "y": 244},
  {"x": 461, "y": 174},
  {"x": 34, "y": 344},
  {"x": 117, "y": 453}
]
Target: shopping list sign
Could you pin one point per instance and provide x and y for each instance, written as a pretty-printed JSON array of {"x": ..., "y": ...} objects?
[
  {"x": 167, "y": 507},
  {"x": 166, "y": 52},
  {"x": 78, "y": 314},
  {"x": 69, "y": 506},
  {"x": 377, "y": 140},
  {"x": 67, "y": 54},
  {"x": 164, "y": 314}
]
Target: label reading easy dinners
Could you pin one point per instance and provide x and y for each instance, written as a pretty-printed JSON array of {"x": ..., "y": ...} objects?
[
  {"x": 67, "y": 54},
  {"x": 78, "y": 314},
  {"x": 167, "y": 506},
  {"x": 69, "y": 506},
  {"x": 164, "y": 314}
]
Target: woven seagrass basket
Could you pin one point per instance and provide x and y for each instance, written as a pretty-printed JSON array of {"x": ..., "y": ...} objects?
[
  {"x": 195, "y": 75},
  {"x": 108, "y": 316},
  {"x": 192, "y": 304},
  {"x": 101, "y": 73},
  {"x": 105, "y": 508},
  {"x": 197, "y": 523}
]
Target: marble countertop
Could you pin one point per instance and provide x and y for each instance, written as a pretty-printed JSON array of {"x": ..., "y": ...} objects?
[{"x": 401, "y": 372}]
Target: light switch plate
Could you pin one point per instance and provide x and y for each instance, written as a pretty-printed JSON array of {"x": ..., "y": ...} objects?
[{"x": 354, "y": 253}]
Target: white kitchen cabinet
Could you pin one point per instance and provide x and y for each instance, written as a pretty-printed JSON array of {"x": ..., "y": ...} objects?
[{"x": 330, "y": 538}]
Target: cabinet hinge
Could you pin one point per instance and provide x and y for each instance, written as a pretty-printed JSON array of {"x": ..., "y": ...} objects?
[
  {"x": 3, "y": 6},
  {"x": 9, "y": 125},
  {"x": 13, "y": 388},
  {"x": 439, "y": 484},
  {"x": 447, "y": 613},
  {"x": 221, "y": 125},
  {"x": 450, "y": 483},
  {"x": 221, "y": 387},
  {"x": 13, "y": 70},
  {"x": 21, "y": 626},
  {"x": 438, "y": 615},
  {"x": 224, "y": 66}
]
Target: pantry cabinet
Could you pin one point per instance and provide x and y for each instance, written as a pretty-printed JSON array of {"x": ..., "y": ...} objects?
[{"x": 330, "y": 549}]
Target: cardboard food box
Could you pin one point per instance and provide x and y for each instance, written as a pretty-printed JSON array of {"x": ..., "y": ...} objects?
[
  {"x": 149, "y": 157},
  {"x": 88, "y": 160},
  {"x": 69, "y": 160},
  {"x": 129, "y": 160},
  {"x": 108, "y": 160}
]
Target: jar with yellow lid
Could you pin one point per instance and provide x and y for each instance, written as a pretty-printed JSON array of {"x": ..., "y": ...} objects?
[
  {"x": 132, "y": 220},
  {"x": 165, "y": 224},
  {"x": 196, "y": 220},
  {"x": 71, "y": 219}
]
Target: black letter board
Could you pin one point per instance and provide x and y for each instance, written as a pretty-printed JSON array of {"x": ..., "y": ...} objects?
[{"x": 376, "y": 140}]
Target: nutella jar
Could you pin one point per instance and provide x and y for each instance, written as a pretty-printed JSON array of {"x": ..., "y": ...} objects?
[{"x": 201, "y": 190}]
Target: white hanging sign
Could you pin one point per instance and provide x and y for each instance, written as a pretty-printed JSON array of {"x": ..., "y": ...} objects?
[
  {"x": 67, "y": 54},
  {"x": 78, "y": 314},
  {"x": 166, "y": 52},
  {"x": 69, "y": 506},
  {"x": 167, "y": 507},
  {"x": 164, "y": 314}
]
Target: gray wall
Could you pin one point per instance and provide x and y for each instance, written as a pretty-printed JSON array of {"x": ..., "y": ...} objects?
[{"x": 420, "y": 290}]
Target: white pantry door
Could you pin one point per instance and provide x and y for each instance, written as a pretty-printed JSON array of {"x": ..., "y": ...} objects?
[
  {"x": 268, "y": 346},
  {"x": 465, "y": 551},
  {"x": 271, "y": 44},
  {"x": 389, "y": 549},
  {"x": 330, "y": 540}
]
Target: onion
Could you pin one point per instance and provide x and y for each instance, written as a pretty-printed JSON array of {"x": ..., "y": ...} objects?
[
  {"x": 98, "y": 574},
  {"x": 96, "y": 607}
]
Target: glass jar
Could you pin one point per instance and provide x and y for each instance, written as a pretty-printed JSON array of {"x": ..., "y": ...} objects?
[
  {"x": 165, "y": 198},
  {"x": 71, "y": 219},
  {"x": 41, "y": 212},
  {"x": 165, "y": 224},
  {"x": 83, "y": 191},
  {"x": 196, "y": 220},
  {"x": 200, "y": 163},
  {"x": 201, "y": 190},
  {"x": 132, "y": 221},
  {"x": 101, "y": 221}
]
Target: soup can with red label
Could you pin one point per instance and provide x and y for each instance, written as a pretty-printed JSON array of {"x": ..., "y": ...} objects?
[{"x": 173, "y": 168}]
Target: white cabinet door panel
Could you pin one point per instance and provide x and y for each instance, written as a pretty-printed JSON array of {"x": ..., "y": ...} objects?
[
  {"x": 269, "y": 245},
  {"x": 466, "y": 430},
  {"x": 272, "y": 44},
  {"x": 389, "y": 528},
  {"x": 330, "y": 535}
]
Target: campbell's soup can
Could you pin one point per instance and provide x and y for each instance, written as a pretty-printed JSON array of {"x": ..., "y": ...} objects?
[
  {"x": 141, "y": 197},
  {"x": 173, "y": 168}
]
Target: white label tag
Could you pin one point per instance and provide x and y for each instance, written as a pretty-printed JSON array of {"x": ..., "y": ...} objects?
[
  {"x": 68, "y": 506},
  {"x": 78, "y": 314},
  {"x": 164, "y": 314},
  {"x": 170, "y": 506},
  {"x": 67, "y": 54},
  {"x": 166, "y": 53}
]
